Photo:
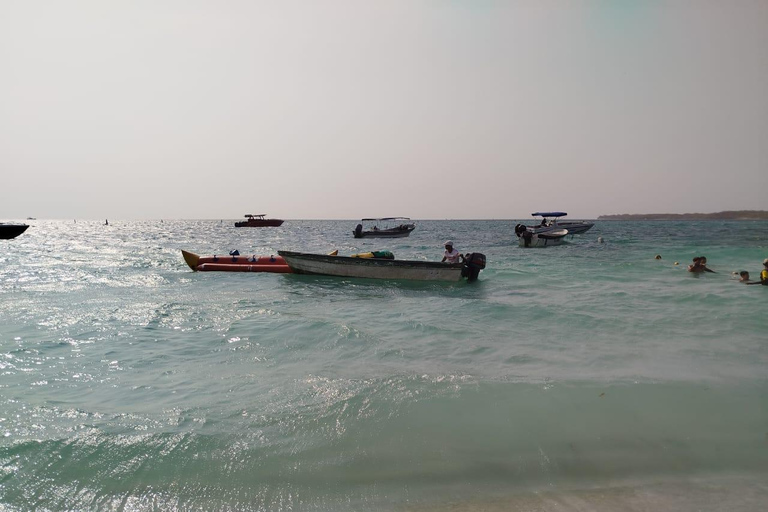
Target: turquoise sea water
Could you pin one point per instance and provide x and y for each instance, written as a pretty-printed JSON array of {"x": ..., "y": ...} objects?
[{"x": 129, "y": 382}]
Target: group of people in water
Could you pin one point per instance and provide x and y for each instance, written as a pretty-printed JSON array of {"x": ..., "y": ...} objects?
[{"x": 700, "y": 265}]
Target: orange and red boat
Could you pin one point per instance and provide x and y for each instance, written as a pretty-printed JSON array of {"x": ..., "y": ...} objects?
[{"x": 236, "y": 263}]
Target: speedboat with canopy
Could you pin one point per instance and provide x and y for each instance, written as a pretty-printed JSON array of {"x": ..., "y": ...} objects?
[{"x": 552, "y": 221}]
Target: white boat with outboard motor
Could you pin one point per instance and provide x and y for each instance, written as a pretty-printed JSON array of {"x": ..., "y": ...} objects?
[
  {"x": 529, "y": 238},
  {"x": 384, "y": 227},
  {"x": 382, "y": 265},
  {"x": 551, "y": 222}
]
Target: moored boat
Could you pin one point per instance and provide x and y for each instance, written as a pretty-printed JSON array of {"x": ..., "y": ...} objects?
[
  {"x": 551, "y": 222},
  {"x": 236, "y": 263},
  {"x": 384, "y": 227},
  {"x": 8, "y": 231},
  {"x": 258, "y": 221},
  {"x": 527, "y": 237},
  {"x": 383, "y": 268}
]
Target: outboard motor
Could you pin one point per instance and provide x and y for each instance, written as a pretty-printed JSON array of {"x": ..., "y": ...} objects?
[
  {"x": 358, "y": 232},
  {"x": 474, "y": 262},
  {"x": 522, "y": 231}
]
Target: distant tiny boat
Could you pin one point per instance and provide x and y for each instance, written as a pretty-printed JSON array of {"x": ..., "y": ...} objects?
[
  {"x": 384, "y": 227},
  {"x": 236, "y": 263},
  {"x": 258, "y": 221},
  {"x": 8, "y": 231},
  {"x": 383, "y": 268}
]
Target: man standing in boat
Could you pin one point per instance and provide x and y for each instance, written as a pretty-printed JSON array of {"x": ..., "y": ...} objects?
[{"x": 451, "y": 255}]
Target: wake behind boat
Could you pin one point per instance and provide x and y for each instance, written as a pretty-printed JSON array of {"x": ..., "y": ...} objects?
[
  {"x": 8, "y": 231},
  {"x": 381, "y": 268}
]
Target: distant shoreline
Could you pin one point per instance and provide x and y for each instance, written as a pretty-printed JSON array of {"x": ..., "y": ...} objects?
[{"x": 728, "y": 215}]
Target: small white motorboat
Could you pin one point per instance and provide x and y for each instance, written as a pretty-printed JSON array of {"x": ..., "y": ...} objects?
[
  {"x": 385, "y": 227},
  {"x": 383, "y": 266},
  {"x": 527, "y": 237},
  {"x": 551, "y": 221}
]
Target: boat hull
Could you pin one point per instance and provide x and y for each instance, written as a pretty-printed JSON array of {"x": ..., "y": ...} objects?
[
  {"x": 371, "y": 268},
  {"x": 8, "y": 231},
  {"x": 254, "y": 263},
  {"x": 383, "y": 233},
  {"x": 254, "y": 223},
  {"x": 573, "y": 227},
  {"x": 545, "y": 239}
]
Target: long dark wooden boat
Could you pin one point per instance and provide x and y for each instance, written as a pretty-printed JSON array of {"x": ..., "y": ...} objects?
[
  {"x": 258, "y": 221},
  {"x": 8, "y": 231},
  {"x": 380, "y": 268},
  {"x": 384, "y": 227}
]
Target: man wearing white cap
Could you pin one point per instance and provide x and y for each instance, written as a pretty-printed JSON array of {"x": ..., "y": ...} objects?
[{"x": 451, "y": 255}]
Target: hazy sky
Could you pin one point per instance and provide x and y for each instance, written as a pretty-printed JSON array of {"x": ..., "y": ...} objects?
[{"x": 346, "y": 109}]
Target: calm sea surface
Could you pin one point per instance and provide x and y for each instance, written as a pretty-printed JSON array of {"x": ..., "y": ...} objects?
[{"x": 129, "y": 382}]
